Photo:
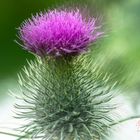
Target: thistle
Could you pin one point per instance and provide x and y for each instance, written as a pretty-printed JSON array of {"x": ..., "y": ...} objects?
[
  {"x": 58, "y": 33},
  {"x": 65, "y": 96}
]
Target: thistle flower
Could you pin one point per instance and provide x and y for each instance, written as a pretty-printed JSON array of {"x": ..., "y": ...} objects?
[
  {"x": 62, "y": 99},
  {"x": 58, "y": 33}
]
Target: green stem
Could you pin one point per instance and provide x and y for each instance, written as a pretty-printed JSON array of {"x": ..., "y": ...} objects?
[
  {"x": 10, "y": 134},
  {"x": 126, "y": 119},
  {"x": 18, "y": 136}
]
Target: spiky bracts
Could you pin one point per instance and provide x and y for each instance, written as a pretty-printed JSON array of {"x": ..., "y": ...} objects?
[{"x": 65, "y": 100}]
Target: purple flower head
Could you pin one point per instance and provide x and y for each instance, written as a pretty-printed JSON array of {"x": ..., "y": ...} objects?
[{"x": 58, "y": 33}]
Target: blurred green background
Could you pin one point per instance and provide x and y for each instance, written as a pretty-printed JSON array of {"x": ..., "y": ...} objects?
[{"x": 120, "y": 49}]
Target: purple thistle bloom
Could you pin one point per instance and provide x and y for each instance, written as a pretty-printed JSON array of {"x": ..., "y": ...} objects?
[{"x": 58, "y": 33}]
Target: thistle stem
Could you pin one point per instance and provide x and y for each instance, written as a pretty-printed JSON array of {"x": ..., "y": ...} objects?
[
  {"x": 126, "y": 119},
  {"x": 11, "y": 134},
  {"x": 16, "y": 135}
]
